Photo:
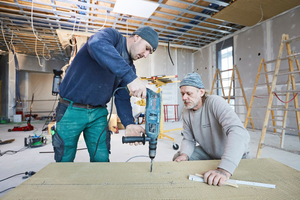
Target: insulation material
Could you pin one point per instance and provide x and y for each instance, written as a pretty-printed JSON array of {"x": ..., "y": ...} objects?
[
  {"x": 249, "y": 13},
  {"x": 169, "y": 180}
]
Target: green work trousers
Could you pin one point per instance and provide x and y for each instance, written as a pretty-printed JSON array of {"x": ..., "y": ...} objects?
[{"x": 71, "y": 121}]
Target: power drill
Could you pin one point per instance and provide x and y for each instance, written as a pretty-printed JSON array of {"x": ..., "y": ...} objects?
[{"x": 152, "y": 124}]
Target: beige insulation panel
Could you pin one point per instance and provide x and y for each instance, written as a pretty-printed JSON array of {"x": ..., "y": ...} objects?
[
  {"x": 169, "y": 180},
  {"x": 250, "y": 12}
]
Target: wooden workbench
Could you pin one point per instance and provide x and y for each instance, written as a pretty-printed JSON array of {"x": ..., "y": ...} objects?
[{"x": 169, "y": 180}]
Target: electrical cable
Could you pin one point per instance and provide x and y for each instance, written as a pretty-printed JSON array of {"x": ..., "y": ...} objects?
[
  {"x": 30, "y": 173},
  {"x": 44, "y": 54},
  {"x": 74, "y": 25},
  {"x": 170, "y": 53},
  {"x": 262, "y": 14},
  {"x": 12, "y": 176},
  {"x": 53, "y": 151},
  {"x": 111, "y": 107},
  {"x": 37, "y": 55},
  {"x": 7, "y": 189},
  {"x": 136, "y": 157},
  {"x": 17, "y": 81},
  {"x": 8, "y": 49},
  {"x": 4, "y": 36},
  {"x": 32, "y": 21},
  {"x": 12, "y": 45},
  {"x": 49, "y": 114},
  {"x": 105, "y": 23},
  {"x": 12, "y": 151}
]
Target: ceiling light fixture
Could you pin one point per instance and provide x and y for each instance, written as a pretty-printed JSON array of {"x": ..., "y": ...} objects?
[{"x": 138, "y": 8}]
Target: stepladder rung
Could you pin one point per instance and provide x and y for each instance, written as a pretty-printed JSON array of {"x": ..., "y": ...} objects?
[
  {"x": 283, "y": 109},
  {"x": 279, "y": 83},
  {"x": 272, "y": 72},
  {"x": 259, "y": 118},
  {"x": 218, "y": 79},
  {"x": 258, "y": 106},
  {"x": 286, "y": 128},
  {"x": 266, "y": 95},
  {"x": 283, "y": 92},
  {"x": 276, "y": 116},
  {"x": 233, "y": 87},
  {"x": 226, "y": 70},
  {"x": 293, "y": 39},
  {"x": 281, "y": 106},
  {"x": 231, "y": 97},
  {"x": 282, "y": 58},
  {"x": 288, "y": 73}
]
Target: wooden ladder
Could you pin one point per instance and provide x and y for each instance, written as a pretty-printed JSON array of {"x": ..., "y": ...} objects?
[
  {"x": 232, "y": 78},
  {"x": 271, "y": 91}
]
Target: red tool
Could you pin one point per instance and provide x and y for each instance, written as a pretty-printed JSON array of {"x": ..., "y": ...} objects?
[{"x": 29, "y": 127}]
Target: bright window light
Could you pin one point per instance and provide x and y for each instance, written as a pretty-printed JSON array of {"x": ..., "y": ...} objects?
[{"x": 138, "y": 8}]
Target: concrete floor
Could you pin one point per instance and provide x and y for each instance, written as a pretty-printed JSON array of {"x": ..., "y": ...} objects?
[{"x": 32, "y": 159}]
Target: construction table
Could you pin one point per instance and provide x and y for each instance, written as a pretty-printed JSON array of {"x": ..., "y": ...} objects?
[{"x": 169, "y": 180}]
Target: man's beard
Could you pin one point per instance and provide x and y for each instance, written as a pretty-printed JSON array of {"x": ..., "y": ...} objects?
[{"x": 191, "y": 107}]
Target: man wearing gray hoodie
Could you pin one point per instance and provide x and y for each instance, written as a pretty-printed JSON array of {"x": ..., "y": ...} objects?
[{"x": 211, "y": 130}]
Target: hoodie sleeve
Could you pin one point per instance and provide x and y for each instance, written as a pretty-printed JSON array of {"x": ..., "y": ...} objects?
[
  {"x": 188, "y": 142},
  {"x": 101, "y": 47},
  {"x": 237, "y": 136}
]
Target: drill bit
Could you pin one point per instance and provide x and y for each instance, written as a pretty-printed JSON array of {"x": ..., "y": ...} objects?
[{"x": 151, "y": 165}]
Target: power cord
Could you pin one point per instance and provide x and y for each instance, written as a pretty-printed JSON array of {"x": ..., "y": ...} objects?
[
  {"x": 12, "y": 151},
  {"x": 136, "y": 157},
  {"x": 7, "y": 189},
  {"x": 111, "y": 107},
  {"x": 47, "y": 120},
  {"x": 27, "y": 174}
]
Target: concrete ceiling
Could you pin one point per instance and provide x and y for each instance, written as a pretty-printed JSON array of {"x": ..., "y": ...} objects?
[{"x": 31, "y": 27}]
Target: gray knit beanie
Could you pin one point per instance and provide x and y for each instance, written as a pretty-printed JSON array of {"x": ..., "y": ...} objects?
[
  {"x": 148, "y": 34},
  {"x": 192, "y": 79}
]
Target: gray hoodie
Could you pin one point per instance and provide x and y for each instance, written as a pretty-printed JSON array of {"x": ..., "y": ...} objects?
[{"x": 218, "y": 130}]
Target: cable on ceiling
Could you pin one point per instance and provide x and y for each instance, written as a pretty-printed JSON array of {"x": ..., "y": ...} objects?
[
  {"x": 170, "y": 53},
  {"x": 32, "y": 22},
  {"x": 37, "y": 53},
  {"x": 8, "y": 49},
  {"x": 44, "y": 54}
]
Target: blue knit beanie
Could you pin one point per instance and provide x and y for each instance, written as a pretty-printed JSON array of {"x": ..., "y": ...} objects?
[
  {"x": 148, "y": 34},
  {"x": 192, "y": 79}
]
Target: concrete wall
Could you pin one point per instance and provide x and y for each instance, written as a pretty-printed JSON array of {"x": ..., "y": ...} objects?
[
  {"x": 4, "y": 85},
  {"x": 29, "y": 83},
  {"x": 250, "y": 46},
  {"x": 159, "y": 63}
]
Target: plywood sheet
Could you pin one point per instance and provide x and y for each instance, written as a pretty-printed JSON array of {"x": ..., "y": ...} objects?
[
  {"x": 169, "y": 180},
  {"x": 248, "y": 12}
]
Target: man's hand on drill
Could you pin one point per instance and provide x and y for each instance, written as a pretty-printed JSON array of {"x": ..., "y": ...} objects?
[
  {"x": 137, "y": 88},
  {"x": 134, "y": 130}
]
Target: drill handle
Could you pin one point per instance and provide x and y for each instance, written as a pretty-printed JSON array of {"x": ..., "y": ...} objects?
[{"x": 133, "y": 139}]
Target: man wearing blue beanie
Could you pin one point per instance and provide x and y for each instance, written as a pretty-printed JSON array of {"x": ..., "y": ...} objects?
[
  {"x": 102, "y": 65},
  {"x": 212, "y": 123}
]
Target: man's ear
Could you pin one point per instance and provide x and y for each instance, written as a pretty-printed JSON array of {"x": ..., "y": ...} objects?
[
  {"x": 136, "y": 38},
  {"x": 202, "y": 92}
]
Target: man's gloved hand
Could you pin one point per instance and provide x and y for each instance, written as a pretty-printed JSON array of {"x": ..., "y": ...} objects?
[
  {"x": 182, "y": 157},
  {"x": 134, "y": 130},
  {"x": 137, "y": 88},
  {"x": 216, "y": 177}
]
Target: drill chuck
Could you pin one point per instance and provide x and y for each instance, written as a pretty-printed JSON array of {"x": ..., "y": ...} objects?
[{"x": 152, "y": 148}]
